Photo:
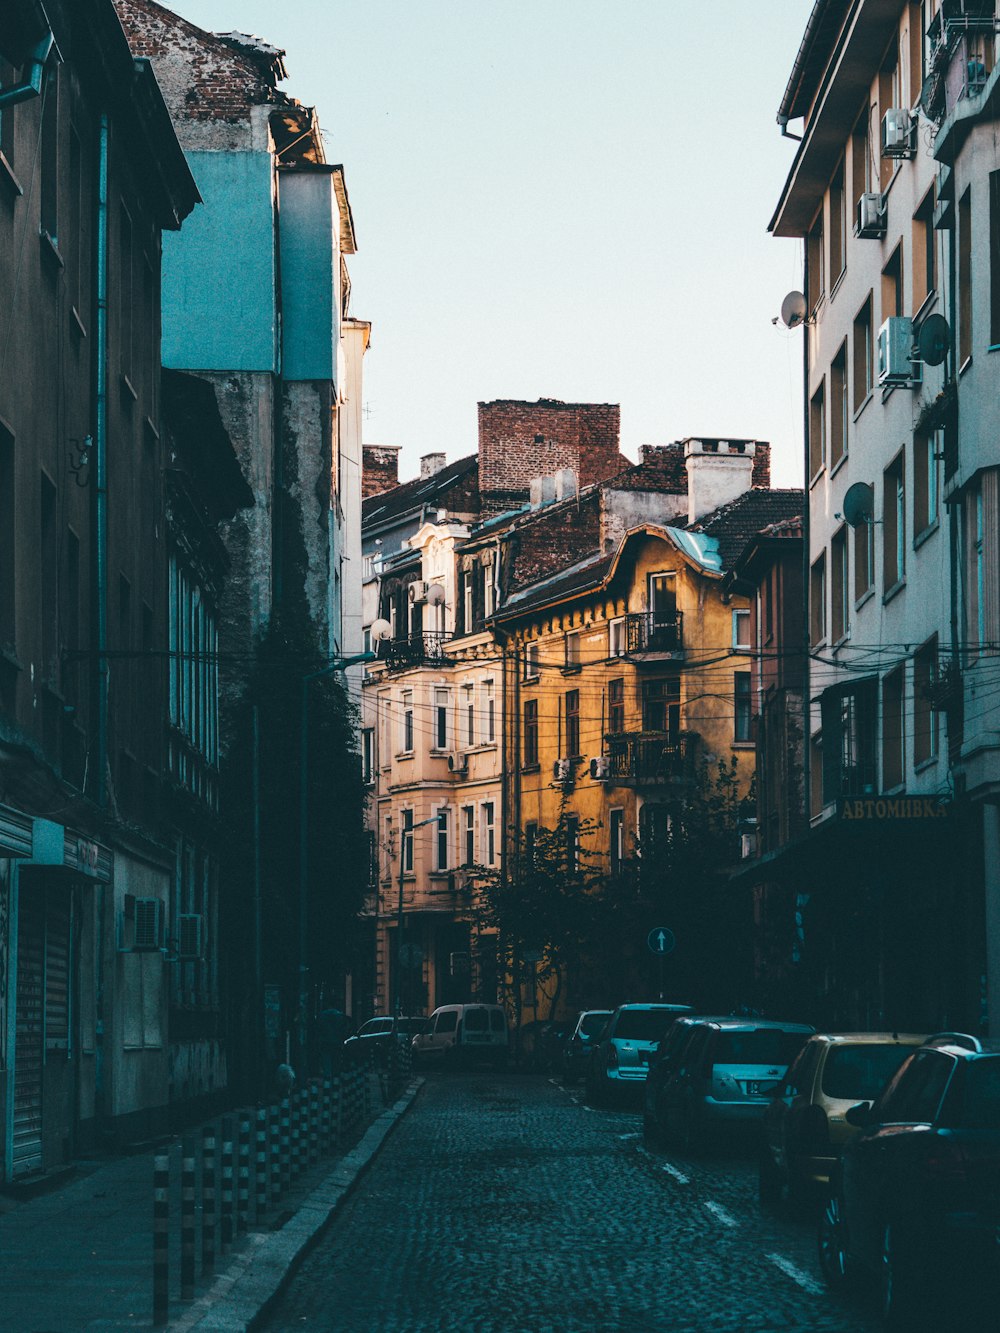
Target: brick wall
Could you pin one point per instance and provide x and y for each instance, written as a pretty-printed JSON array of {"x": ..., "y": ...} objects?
[
  {"x": 761, "y": 475},
  {"x": 519, "y": 441},
  {"x": 379, "y": 468},
  {"x": 555, "y": 540}
]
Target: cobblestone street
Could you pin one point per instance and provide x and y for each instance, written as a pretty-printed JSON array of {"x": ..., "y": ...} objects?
[{"x": 502, "y": 1203}]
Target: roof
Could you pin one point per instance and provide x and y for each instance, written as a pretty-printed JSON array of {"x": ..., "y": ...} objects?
[
  {"x": 736, "y": 523},
  {"x": 586, "y": 574},
  {"x": 822, "y": 27},
  {"x": 411, "y": 495}
]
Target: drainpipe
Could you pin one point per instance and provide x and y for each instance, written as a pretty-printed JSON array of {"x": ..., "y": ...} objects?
[
  {"x": 100, "y": 484},
  {"x": 31, "y": 85}
]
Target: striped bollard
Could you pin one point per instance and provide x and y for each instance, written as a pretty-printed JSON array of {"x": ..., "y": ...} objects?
[
  {"x": 274, "y": 1151},
  {"x": 313, "y": 1124},
  {"x": 325, "y": 1118},
  {"x": 226, "y": 1212},
  {"x": 285, "y": 1145},
  {"x": 208, "y": 1199},
  {"x": 243, "y": 1175},
  {"x": 187, "y": 1219},
  {"x": 336, "y": 1093},
  {"x": 260, "y": 1179},
  {"x": 161, "y": 1238},
  {"x": 296, "y": 1134}
]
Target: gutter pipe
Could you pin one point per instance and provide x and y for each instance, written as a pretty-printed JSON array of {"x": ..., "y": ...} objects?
[
  {"x": 32, "y": 85},
  {"x": 100, "y": 514}
]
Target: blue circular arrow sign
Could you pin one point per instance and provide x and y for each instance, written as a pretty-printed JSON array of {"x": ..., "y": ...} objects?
[{"x": 660, "y": 940}]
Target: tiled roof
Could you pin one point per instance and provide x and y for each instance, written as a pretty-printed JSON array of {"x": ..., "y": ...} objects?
[
  {"x": 587, "y": 573},
  {"x": 412, "y": 494},
  {"x": 740, "y": 520}
]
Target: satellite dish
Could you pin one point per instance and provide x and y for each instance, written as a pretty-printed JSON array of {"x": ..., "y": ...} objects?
[
  {"x": 859, "y": 504},
  {"x": 435, "y": 595},
  {"x": 933, "y": 339},
  {"x": 793, "y": 310},
  {"x": 381, "y": 631}
]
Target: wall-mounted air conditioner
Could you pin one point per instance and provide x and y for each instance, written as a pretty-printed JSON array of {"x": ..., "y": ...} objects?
[
  {"x": 417, "y": 592},
  {"x": 189, "y": 935},
  {"x": 562, "y": 771},
  {"x": 899, "y": 133},
  {"x": 870, "y": 224},
  {"x": 141, "y": 927},
  {"x": 896, "y": 365},
  {"x": 600, "y": 768},
  {"x": 458, "y": 762}
]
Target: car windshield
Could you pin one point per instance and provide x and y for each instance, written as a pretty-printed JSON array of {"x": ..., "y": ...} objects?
[
  {"x": 591, "y": 1024},
  {"x": 376, "y": 1026},
  {"x": 643, "y": 1024},
  {"x": 477, "y": 1020},
  {"x": 980, "y": 1102},
  {"x": 858, "y": 1073},
  {"x": 757, "y": 1046}
]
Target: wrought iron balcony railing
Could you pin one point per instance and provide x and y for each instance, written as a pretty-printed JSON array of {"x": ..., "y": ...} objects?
[
  {"x": 655, "y": 632},
  {"x": 650, "y": 757},
  {"x": 424, "y": 649}
]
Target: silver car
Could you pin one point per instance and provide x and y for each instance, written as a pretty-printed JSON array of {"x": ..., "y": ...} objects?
[
  {"x": 576, "y": 1052},
  {"x": 620, "y": 1057}
]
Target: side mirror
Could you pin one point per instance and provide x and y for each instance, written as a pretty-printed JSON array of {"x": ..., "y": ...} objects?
[{"x": 860, "y": 1115}]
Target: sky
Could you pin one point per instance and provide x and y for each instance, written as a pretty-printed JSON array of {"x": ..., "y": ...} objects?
[{"x": 561, "y": 199}]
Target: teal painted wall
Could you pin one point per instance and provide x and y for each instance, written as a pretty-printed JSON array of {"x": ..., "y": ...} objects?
[
  {"x": 310, "y": 274},
  {"x": 219, "y": 272}
]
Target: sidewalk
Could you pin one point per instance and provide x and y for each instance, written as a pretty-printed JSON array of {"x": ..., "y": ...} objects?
[{"x": 80, "y": 1258}]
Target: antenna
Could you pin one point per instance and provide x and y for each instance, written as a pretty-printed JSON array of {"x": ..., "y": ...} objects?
[
  {"x": 933, "y": 339},
  {"x": 793, "y": 310},
  {"x": 859, "y": 504}
]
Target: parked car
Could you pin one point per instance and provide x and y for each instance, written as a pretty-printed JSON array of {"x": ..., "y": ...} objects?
[
  {"x": 380, "y": 1031},
  {"x": 576, "y": 1051},
  {"x": 620, "y": 1056},
  {"x": 662, "y": 1065},
  {"x": 805, "y": 1125},
  {"x": 728, "y": 1068},
  {"x": 916, "y": 1196},
  {"x": 464, "y": 1033}
]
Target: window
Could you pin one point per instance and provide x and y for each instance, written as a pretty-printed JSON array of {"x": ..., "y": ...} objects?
[
  {"x": 530, "y": 743},
  {"x": 924, "y": 257},
  {"x": 888, "y": 97},
  {"x": 367, "y": 755},
  {"x": 469, "y": 708},
  {"x": 964, "y": 278},
  {"x": 816, "y": 264},
  {"x": 914, "y": 1095},
  {"x": 572, "y": 702},
  {"x": 616, "y": 637},
  {"x": 892, "y": 729},
  {"x": 49, "y": 151},
  {"x": 994, "y": 258},
  {"x": 616, "y": 705},
  {"x": 489, "y": 834},
  {"x": 838, "y": 225},
  {"x": 468, "y": 835},
  {"x": 893, "y": 526},
  {"x": 531, "y": 661},
  {"x": 864, "y": 559},
  {"x": 925, "y": 739},
  {"x": 441, "y": 837},
  {"x": 661, "y": 708},
  {"x": 817, "y": 432},
  {"x": 838, "y": 586},
  {"x": 742, "y": 715},
  {"x": 815, "y": 775},
  {"x": 980, "y": 521},
  {"x": 892, "y": 284},
  {"x": 616, "y": 840},
  {"x": 572, "y": 649},
  {"x": 8, "y": 519},
  {"x": 407, "y": 835},
  {"x": 850, "y": 719},
  {"x": 817, "y": 602},
  {"x": 490, "y": 712},
  {"x": 407, "y": 736},
  {"x": 861, "y": 159},
  {"x": 383, "y": 720},
  {"x": 863, "y": 353},
  {"x": 572, "y": 843},
  {"x": 839, "y": 411},
  {"x": 488, "y": 592},
  {"x": 927, "y": 445},
  {"x": 467, "y": 601},
  {"x": 530, "y": 840},
  {"x": 741, "y": 629},
  {"x": 440, "y": 719}
]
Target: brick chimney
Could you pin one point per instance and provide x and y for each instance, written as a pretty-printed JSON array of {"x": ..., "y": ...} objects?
[
  {"x": 379, "y": 468},
  {"x": 718, "y": 471}
]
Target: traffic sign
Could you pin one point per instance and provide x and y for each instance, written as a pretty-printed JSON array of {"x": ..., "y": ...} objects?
[{"x": 660, "y": 940}]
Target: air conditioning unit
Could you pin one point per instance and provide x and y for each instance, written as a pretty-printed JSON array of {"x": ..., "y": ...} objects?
[
  {"x": 189, "y": 935},
  {"x": 147, "y": 926},
  {"x": 417, "y": 592},
  {"x": 458, "y": 763},
  {"x": 870, "y": 223},
  {"x": 562, "y": 771},
  {"x": 600, "y": 768},
  {"x": 899, "y": 133},
  {"x": 895, "y": 353}
]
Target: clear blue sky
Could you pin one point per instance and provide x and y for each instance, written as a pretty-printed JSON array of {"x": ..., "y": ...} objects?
[{"x": 558, "y": 198}]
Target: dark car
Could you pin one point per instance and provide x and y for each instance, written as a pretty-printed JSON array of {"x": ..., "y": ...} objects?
[
  {"x": 380, "y": 1032},
  {"x": 620, "y": 1057},
  {"x": 916, "y": 1198},
  {"x": 576, "y": 1051},
  {"x": 662, "y": 1065}
]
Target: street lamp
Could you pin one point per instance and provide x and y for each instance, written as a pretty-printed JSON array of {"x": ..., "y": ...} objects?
[
  {"x": 336, "y": 664},
  {"x": 403, "y": 832}
]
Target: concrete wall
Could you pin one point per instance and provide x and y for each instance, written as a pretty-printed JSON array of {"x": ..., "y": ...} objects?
[{"x": 309, "y": 231}]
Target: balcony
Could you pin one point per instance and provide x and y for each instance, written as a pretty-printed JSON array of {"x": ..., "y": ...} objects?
[
  {"x": 415, "y": 650},
  {"x": 651, "y": 758},
  {"x": 655, "y": 636}
]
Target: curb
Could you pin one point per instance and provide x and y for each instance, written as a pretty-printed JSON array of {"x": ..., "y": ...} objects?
[{"x": 238, "y": 1299}]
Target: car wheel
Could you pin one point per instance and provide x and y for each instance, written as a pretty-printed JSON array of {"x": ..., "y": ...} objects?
[
  {"x": 770, "y": 1186},
  {"x": 900, "y": 1285},
  {"x": 834, "y": 1258}
]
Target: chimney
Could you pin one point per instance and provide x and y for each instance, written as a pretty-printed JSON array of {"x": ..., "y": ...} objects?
[
  {"x": 718, "y": 471},
  {"x": 379, "y": 468},
  {"x": 431, "y": 463}
]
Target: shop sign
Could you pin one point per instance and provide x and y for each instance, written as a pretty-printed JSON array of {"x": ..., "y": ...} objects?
[{"x": 890, "y": 809}]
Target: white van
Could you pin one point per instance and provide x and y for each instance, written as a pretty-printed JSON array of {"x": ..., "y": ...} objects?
[{"x": 464, "y": 1033}]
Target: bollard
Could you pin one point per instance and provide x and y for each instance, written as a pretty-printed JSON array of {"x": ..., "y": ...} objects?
[
  {"x": 285, "y": 1147},
  {"x": 187, "y": 1219},
  {"x": 260, "y": 1179},
  {"x": 208, "y": 1199},
  {"x": 161, "y": 1238},
  {"x": 296, "y": 1134},
  {"x": 226, "y": 1200},
  {"x": 313, "y": 1124},
  {"x": 274, "y": 1151},
  {"x": 326, "y": 1120},
  {"x": 243, "y": 1175}
]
